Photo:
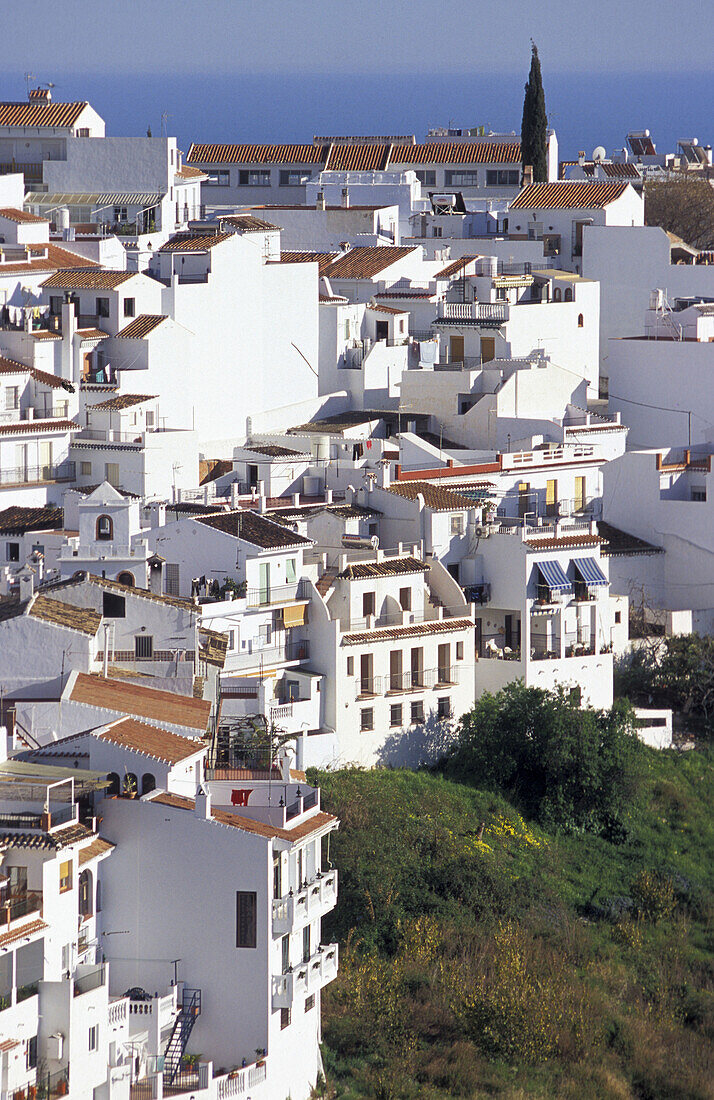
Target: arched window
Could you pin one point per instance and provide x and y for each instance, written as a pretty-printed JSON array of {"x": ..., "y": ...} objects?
[
  {"x": 125, "y": 578},
  {"x": 85, "y": 894},
  {"x": 130, "y": 785},
  {"x": 557, "y": 296},
  {"x": 105, "y": 528},
  {"x": 568, "y": 296},
  {"x": 114, "y": 783},
  {"x": 581, "y": 320},
  {"x": 148, "y": 783}
]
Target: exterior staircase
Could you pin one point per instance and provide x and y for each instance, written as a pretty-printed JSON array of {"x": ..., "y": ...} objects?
[{"x": 183, "y": 1026}]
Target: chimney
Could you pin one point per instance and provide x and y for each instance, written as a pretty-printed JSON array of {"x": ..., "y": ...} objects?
[
  {"x": 69, "y": 328},
  {"x": 527, "y": 174},
  {"x": 346, "y": 198},
  {"x": 383, "y": 478},
  {"x": 581, "y": 157},
  {"x": 203, "y": 803},
  {"x": 328, "y": 496},
  {"x": 320, "y": 201},
  {"x": 26, "y": 578}
]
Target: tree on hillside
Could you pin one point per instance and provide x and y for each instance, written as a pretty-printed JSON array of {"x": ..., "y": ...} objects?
[
  {"x": 682, "y": 206},
  {"x": 567, "y": 767},
  {"x": 535, "y": 122}
]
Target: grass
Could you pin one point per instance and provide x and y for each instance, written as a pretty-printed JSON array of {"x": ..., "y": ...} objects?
[{"x": 483, "y": 956}]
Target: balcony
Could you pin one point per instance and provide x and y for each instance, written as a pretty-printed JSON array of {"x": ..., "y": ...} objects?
[
  {"x": 265, "y": 657},
  {"x": 20, "y": 905},
  {"x": 239, "y": 1081},
  {"x": 89, "y": 978},
  {"x": 478, "y": 313},
  {"x": 37, "y": 475},
  {"x": 315, "y": 899},
  {"x": 275, "y": 594},
  {"x": 309, "y": 977}
]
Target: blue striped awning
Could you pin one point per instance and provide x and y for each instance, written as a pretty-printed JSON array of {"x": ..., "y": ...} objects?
[
  {"x": 590, "y": 571},
  {"x": 553, "y": 575}
]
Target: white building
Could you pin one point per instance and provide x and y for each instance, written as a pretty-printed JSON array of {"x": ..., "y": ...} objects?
[{"x": 326, "y": 228}]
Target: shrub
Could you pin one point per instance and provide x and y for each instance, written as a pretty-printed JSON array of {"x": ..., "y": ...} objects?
[{"x": 654, "y": 895}]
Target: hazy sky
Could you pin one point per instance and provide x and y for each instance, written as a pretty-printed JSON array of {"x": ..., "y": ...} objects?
[{"x": 51, "y": 37}]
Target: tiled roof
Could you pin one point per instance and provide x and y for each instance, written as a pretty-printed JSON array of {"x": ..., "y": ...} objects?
[
  {"x": 17, "y": 519},
  {"x": 437, "y": 497},
  {"x": 455, "y": 267},
  {"x": 394, "y": 633},
  {"x": 40, "y": 114},
  {"x": 248, "y": 223},
  {"x": 123, "y": 589},
  {"x": 458, "y": 152},
  {"x": 31, "y": 427},
  {"x": 366, "y": 262},
  {"x": 57, "y": 259},
  {"x": 71, "y": 834},
  {"x": 256, "y": 154},
  {"x": 97, "y": 848},
  {"x": 358, "y": 158},
  {"x": 186, "y": 172},
  {"x": 141, "y": 702},
  {"x": 82, "y": 619},
  {"x": 194, "y": 242},
  {"x": 322, "y": 259},
  {"x": 274, "y": 450},
  {"x": 214, "y": 646},
  {"x": 141, "y": 326},
  {"x": 387, "y": 309},
  {"x": 124, "y": 401},
  {"x": 254, "y": 528},
  {"x": 45, "y": 334},
  {"x": 22, "y": 930},
  {"x": 50, "y": 200},
  {"x": 10, "y": 366},
  {"x": 162, "y": 745},
  {"x": 563, "y": 542},
  {"x": 95, "y": 279},
  {"x": 428, "y": 294},
  {"x": 20, "y": 216},
  {"x": 567, "y": 195},
  {"x": 391, "y": 567},
  {"x": 92, "y": 333},
  {"x": 248, "y": 825}
]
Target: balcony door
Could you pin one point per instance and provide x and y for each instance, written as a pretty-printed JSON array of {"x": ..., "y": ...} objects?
[
  {"x": 264, "y": 581},
  {"x": 395, "y": 670},
  {"x": 45, "y": 452},
  {"x": 456, "y": 349},
  {"x": 366, "y": 677},
  {"x": 417, "y": 667},
  {"x": 21, "y": 464},
  {"x": 444, "y": 659}
]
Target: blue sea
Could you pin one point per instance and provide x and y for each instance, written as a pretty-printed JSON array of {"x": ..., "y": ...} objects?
[{"x": 586, "y": 109}]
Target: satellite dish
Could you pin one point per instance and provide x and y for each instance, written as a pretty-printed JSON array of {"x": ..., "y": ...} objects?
[{"x": 599, "y": 153}]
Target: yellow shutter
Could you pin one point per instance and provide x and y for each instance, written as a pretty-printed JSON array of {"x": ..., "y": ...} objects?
[
  {"x": 550, "y": 492},
  {"x": 579, "y": 493},
  {"x": 294, "y": 616}
]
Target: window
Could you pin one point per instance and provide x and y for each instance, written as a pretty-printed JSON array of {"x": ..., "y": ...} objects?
[
  {"x": 284, "y": 1018},
  {"x": 443, "y": 707},
  {"x": 699, "y": 494},
  {"x": 113, "y": 606},
  {"x": 246, "y": 918},
  {"x": 310, "y": 1002},
  {"x": 426, "y": 176},
  {"x": 56, "y": 305},
  {"x": 457, "y": 525},
  {"x": 581, "y": 320},
  {"x": 85, "y": 469},
  {"x": 85, "y": 894},
  {"x": 148, "y": 783},
  {"x": 31, "y": 1060},
  {"x": 218, "y": 177},
  {"x": 149, "y": 418},
  {"x": 461, "y": 179},
  {"x": 285, "y": 954},
  {"x": 405, "y": 599},
  {"x": 350, "y": 666},
  {"x": 277, "y": 877},
  {"x": 104, "y": 529},
  {"x": 579, "y": 499},
  {"x": 459, "y": 651},
  {"x": 102, "y": 307},
  {"x": 129, "y": 307},
  {"x": 502, "y": 177},
  {"x": 93, "y": 1043},
  {"x": 114, "y": 783},
  {"x": 12, "y": 398},
  {"x": 294, "y": 177},
  {"x": 568, "y": 296},
  {"x": 171, "y": 574},
  {"x": 254, "y": 177},
  {"x": 12, "y": 551},
  {"x": 65, "y": 882},
  {"x": 618, "y": 616},
  {"x": 144, "y": 647},
  {"x": 395, "y": 714},
  {"x": 368, "y": 604},
  {"x": 111, "y": 473},
  {"x": 551, "y": 498},
  {"x": 436, "y": 231},
  {"x": 366, "y": 719},
  {"x": 290, "y": 571},
  {"x": 120, "y": 214},
  {"x": 306, "y": 944},
  {"x": 417, "y": 711},
  {"x": 557, "y": 295}
]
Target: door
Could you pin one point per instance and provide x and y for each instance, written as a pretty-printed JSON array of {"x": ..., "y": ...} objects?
[
  {"x": 395, "y": 670},
  {"x": 382, "y": 330},
  {"x": 524, "y": 494},
  {"x": 285, "y": 953},
  {"x": 456, "y": 349},
  {"x": 365, "y": 671},
  {"x": 21, "y": 461},
  {"x": 417, "y": 667},
  {"x": 45, "y": 459},
  {"x": 264, "y": 582},
  {"x": 579, "y": 500},
  {"x": 252, "y": 477},
  {"x": 444, "y": 662},
  {"x": 488, "y": 348},
  {"x": 551, "y": 498}
]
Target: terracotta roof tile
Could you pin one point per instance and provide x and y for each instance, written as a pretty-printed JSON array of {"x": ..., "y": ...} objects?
[
  {"x": 194, "y": 242},
  {"x": 567, "y": 195},
  {"x": 82, "y": 619},
  {"x": 40, "y": 114},
  {"x": 455, "y": 267},
  {"x": 97, "y": 278},
  {"x": 363, "y": 157},
  {"x": 92, "y": 333},
  {"x": 22, "y": 931},
  {"x": 366, "y": 262},
  {"x": 564, "y": 542},
  {"x": 123, "y": 589},
  {"x": 391, "y": 567},
  {"x": 378, "y": 308},
  {"x": 18, "y": 519},
  {"x": 248, "y": 825},
  {"x": 322, "y": 259},
  {"x": 98, "y": 847},
  {"x": 437, "y": 497},
  {"x": 56, "y": 259},
  {"x": 141, "y": 702},
  {"x": 141, "y": 326},
  {"x": 247, "y": 223},
  {"x": 20, "y": 216},
  {"x": 394, "y": 633},
  {"x": 31, "y": 427},
  {"x": 458, "y": 152},
  {"x": 254, "y": 528},
  {"x": 171, "y": 748},
  {"x": 72, "y": 834},
  {"x": 187, "y": 172},
  {"x": 124, "y": 401},
  {"x": 10, "y": 366},
  {"x": 256, "y": 154},
  {"x": 214, "y": 646}
]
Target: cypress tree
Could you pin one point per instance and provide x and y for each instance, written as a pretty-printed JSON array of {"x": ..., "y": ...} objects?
[{"x": 535, "y": 122}]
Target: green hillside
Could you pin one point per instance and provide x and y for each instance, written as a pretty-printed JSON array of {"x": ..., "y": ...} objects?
[{"x": 482, "y": 955}]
